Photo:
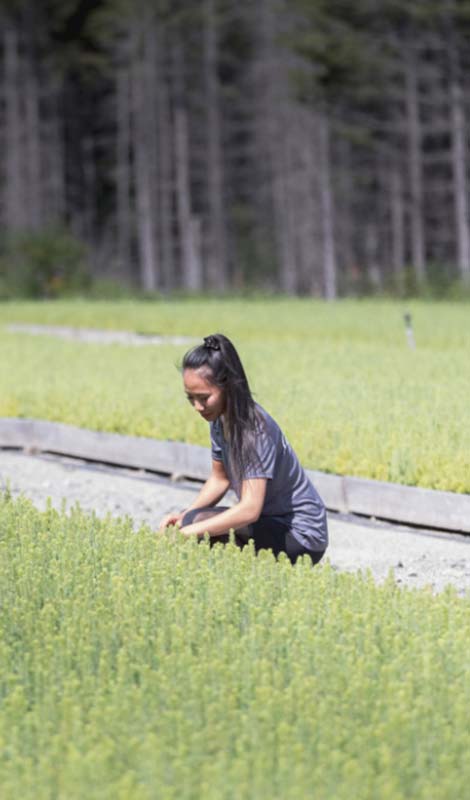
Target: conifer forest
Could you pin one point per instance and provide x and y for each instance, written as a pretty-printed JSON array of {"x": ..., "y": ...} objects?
[{"x": 308, "y": 147}]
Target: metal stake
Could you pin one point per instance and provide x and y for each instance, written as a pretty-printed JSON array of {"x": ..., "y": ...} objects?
[{"x": 409, "y": 331}]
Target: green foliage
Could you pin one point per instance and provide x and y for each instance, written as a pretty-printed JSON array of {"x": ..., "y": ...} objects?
[
  {"x": 43, "y": 264},
  {"x": 111, "y": 289},
  {"x": 437, "y": 284},
  {"x": 441, "y": 283},
  {"x": 339, "y": 377},
  {"x": 252, "y": 249},
  {"x": 137, "y": 665},
  {"x": 346, "y": 44}
]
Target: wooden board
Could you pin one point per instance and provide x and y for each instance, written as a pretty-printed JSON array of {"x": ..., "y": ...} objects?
[
  {"x": 111, "y": 448},
  {"x": 410, "y": 504},
  {"x": 406, "y": 504}
]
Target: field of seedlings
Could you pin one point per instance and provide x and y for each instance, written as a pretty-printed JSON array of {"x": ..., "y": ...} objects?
[
  {"x": 340, "y": 378},
  {"x": 135, "y": 666},
  {"x": 141, "y": 665}
]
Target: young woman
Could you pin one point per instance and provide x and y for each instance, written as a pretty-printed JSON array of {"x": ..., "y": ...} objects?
[{"x": 277, "y": 505}]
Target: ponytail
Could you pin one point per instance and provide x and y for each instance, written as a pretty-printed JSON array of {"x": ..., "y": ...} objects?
[{"x": 221, "y": 366}]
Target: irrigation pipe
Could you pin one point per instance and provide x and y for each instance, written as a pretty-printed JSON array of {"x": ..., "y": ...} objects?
[{"x": 427, "y": 508}]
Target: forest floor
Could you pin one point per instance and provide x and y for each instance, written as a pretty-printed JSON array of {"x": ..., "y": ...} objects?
[{"x": 416, "y": 558}]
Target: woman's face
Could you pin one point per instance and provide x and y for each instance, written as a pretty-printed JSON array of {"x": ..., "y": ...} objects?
[{"x": 207, "y": 399}]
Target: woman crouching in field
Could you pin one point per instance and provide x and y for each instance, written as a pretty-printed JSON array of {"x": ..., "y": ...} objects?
[{"x": 277, "y": 505}]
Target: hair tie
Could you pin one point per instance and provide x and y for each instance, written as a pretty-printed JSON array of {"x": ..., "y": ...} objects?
[{"x": 211, "y": 343}]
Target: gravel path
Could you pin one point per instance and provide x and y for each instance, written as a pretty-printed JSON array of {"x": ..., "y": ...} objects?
[
  {"x": 95, "y": 335},
  {"x": 418, "y": 559}
]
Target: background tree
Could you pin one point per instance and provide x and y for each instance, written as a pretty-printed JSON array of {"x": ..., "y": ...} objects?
[{"x": 309, "y": 147}]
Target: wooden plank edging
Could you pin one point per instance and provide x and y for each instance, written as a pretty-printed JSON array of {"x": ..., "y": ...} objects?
[
  {"x": 137, "y": 452},
  {"x": 407, "y": 504}
]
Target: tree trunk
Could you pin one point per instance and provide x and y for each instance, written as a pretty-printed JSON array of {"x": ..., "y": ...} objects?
[
  {"x": 54, "y": 158},
  {"x": 282, "y": 218},
  {"x": 459, "y": 166},
  {"x": 15, "y": 195},
  {"x": 397, "y": 214},
  {"x": 345, "y": 205},
  {"x": 415, "y": 167},
  {"x": 273, "y": 113},
  {"x": 327, "y": 211},
  {"x": 188, "y": 225},
  {"x": 33, "y": 148},
  {"x": 165, "y": 165},
  {"x": 123, "y": 172},
  {"x": 217, "y": 235},
  {"x": 142, "y": 158},
  {"x": 149, "y": 65},
  {"x": 306, "y": 205},
  {"x": 189, "y": 231},
  {"x": 89, "y": 189},
  {"x": 282, "y": 177},
  {"x": 290, "y": 145},
  {"x": 371, "y": 249}
]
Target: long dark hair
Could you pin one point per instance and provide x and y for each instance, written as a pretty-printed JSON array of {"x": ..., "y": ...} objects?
[{"x": 223, "y": 368}]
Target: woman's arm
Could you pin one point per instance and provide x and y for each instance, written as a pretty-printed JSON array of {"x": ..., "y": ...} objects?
[
  {"x": 214, "y": 488},
  {"x": 246, "y": 511},
  {"x": 211, "y": 493}
]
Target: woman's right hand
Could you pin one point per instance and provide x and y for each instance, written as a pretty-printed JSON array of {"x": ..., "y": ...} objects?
[{"x": 174, "y": 518}]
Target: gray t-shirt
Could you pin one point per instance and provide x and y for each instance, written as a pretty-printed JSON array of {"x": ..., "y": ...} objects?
[{"x": 290, "y": 496}]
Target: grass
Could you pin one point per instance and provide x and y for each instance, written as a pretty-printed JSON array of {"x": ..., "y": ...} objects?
[{"x": 339, "y": 378}]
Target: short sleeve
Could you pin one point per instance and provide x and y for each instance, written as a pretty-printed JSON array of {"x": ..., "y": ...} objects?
[
  {"x": 266, "y": 451},
  {"x": 216, "y": 449}
]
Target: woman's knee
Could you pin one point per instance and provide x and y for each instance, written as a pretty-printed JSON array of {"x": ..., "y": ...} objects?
[{"x": 200, "y": 514}]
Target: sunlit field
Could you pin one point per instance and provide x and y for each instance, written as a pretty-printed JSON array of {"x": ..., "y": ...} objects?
[{"x": 352, "y": 397}]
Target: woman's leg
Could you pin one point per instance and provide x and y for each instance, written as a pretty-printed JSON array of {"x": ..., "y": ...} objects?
[
  {"x": 274, "y": 534},
  {"x": 200, "y": 514},
  {"x": 295, "y": 549},
  {"x": 268, "y": 534}
]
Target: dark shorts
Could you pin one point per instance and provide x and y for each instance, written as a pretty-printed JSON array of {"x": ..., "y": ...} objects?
[{"x": 268, "y": 533}]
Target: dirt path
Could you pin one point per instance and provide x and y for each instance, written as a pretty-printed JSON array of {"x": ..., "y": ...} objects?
[
  {"x": 417, "y": 559},
  {"x": 97, "y": 336}
]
